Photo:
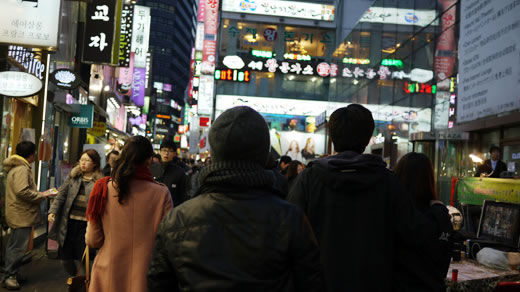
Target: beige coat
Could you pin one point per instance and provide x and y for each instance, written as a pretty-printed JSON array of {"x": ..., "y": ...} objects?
[
  {"x": 126, "y": 236},
  {"x": 22, "y": 197}
]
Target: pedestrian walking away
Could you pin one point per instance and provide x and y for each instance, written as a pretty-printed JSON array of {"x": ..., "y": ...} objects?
[
  {"x": 238, "y": 234},
  {"x": 123, "y": 214}
]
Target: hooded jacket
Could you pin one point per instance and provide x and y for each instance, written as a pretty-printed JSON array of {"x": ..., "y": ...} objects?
[
  {"x": 62, "y": 204},
  {"x": 360, "y": 215},
  {"x": 238, "y": 234},
  {"x": 22, "y": 197}
]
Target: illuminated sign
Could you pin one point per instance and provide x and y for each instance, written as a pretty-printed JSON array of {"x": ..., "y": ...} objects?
[
  {"x": 232, "y": 75},
  {"x": 279, "y": 8},
  {"x": 297, "y": 57},
  {"x": 140, "y": 35},
  {"x": 392, "y": 62},
  {"x": 419, "y": 88},
  {"x": 19, "y": 84},
  {"x": 28, "y": 60},
  {"x": 233, "y": 62},
  {"x": 356, "y": 61},
  {"x": 30, "y": 23},
  {"x": 262, "y": 54},
  {"x": 400, "y": 16},
  {"x": 161, "y": 116}
]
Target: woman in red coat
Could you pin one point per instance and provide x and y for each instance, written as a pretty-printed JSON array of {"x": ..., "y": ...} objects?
[{"x": 123, "y": 215}]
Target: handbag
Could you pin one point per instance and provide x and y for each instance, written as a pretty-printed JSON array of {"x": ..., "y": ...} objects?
[{"x": 80, "y": 283}]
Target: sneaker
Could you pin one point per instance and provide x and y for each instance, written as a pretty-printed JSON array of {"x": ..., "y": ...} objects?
[{"x": 11, "y": 283}]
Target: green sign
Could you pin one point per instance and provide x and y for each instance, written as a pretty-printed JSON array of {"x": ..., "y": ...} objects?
[
  {"x": 392, "y": 62},
  {"x": 82, "y": 116},
  {"x": 262, "y": 54},
  {"x": 474, "y": 190}
]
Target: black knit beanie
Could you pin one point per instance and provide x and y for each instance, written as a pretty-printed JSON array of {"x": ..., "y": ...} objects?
[{"x": 240, "y": 133}]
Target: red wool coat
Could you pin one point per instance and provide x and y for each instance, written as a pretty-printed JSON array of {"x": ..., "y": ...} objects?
[{"x": 125, "y": 235}]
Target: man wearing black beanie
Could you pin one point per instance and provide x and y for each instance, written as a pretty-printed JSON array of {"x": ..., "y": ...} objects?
[
  {"x": 237, "y": 234},
  {"x": 360, "y": 213}
]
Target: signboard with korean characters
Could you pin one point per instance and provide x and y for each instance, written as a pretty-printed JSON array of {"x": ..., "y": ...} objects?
[
  {"x": 140, "y": 35},
  {"x": 31, "y": 23},
  {"x": 19, "y": 84},
  {"x": 103, "y": 23},
  {"x": 278, "y": 8},
  {"x": 209, "y": 50}
]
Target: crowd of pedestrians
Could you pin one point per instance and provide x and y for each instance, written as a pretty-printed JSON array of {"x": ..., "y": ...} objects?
[{"x": 240, "y": 221}]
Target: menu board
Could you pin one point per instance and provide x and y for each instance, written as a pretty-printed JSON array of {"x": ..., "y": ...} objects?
[{"x": 489, "y": 59}]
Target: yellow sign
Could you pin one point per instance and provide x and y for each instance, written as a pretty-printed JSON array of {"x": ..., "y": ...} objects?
[{"x": 98, "y": 129}]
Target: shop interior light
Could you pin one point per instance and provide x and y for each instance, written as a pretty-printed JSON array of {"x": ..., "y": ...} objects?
[{"x": 475, "y": 158}]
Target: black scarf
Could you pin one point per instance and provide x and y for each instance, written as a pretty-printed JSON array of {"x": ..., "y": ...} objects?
[{"x": 236, "y": 176}]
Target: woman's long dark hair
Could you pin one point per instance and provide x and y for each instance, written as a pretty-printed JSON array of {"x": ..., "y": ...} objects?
[
  {"x": 415, "y": 172},
  {"x": 292, "y": 169},
  {"x": 135, "y": 152}
]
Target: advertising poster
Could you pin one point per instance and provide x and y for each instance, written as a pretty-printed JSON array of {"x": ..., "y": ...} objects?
[
  {"x": 489, "y": 71},
  {"x": 138, "y": 86},
  {"x": 32, "y": 23},
  {"x": 300, "y": 146}
]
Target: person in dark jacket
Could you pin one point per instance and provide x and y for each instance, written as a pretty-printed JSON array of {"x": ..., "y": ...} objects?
[
  {"x": 423, "y": 268},
  {"x": 358, "y": 210},
  {"x": 492, "y": 167},
  {"x": 238, "y": 234},
  {"x": 111, "y": 161},
  {"x": 170, "y": 173}
]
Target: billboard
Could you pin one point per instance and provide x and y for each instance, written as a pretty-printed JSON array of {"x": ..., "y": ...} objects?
[
  {"x": 32, "y": 23},
  {"x": 278, "y": 8}
]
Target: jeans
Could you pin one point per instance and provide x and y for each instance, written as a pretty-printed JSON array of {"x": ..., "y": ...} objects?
[{"x": 16, "y": 247}]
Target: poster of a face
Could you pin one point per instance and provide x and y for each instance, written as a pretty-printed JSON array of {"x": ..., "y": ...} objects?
[{"x": 300, "y": 146}]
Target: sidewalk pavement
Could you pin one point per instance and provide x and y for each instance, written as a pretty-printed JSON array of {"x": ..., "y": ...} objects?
[{"x": 43, "y": 274}]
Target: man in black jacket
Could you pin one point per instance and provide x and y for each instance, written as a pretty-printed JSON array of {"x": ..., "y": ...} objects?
[
  {"x": 238, "y": 234},
  {"x": 492, "y": 167},
  {"x": 170, "y": 173},
  {"x": 357, "y": 208}
]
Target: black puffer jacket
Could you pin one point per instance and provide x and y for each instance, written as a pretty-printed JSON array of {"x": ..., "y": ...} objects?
[
  {"x": 174, "y": 177},
  {"x": 237, "y": 235},
  {"x": 361, "y": 216}
]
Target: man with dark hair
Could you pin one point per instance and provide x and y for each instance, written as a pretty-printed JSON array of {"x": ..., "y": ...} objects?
[
  {"x": 170, "y": 173},
  {"x": 492, "y": 167},
  {"x": 22, "y": 208},
  {"x": 284, "y": 163},
  {"x": 111, "y": 160},
  {"x": 238, "y": 234},
  {"x": 357, "y": 208}
]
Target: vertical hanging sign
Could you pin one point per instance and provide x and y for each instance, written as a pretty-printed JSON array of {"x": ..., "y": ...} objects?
[
  {"x": 140, "y": 35},
  {"x": 101, "y": 32},
  {"x": 125, "y": 37},
  {"x": 210, "y": 36}
]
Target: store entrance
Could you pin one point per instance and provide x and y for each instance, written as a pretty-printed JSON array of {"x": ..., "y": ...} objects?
[{"x": 511, "y": 156}]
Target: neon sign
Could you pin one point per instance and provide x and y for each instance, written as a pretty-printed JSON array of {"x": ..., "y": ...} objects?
[
  {"x": 232, "y": 75},
  {"x": 262, "y": 54},
  {"x": 392, "y": 62},
  {"x": 410, "y": 87},
  {"x": 297, "y": 57},
  {"x": 356, "y": 61}
]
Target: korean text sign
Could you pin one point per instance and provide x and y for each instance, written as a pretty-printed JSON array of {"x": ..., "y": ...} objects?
[
  {"x": 32, "y": 23},
  {"x": 140, "y": 35},
  {"x": 100, "y": 32}
]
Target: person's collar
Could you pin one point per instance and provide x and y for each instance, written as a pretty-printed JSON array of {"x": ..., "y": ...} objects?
[{"x": 23, "y": 159}]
